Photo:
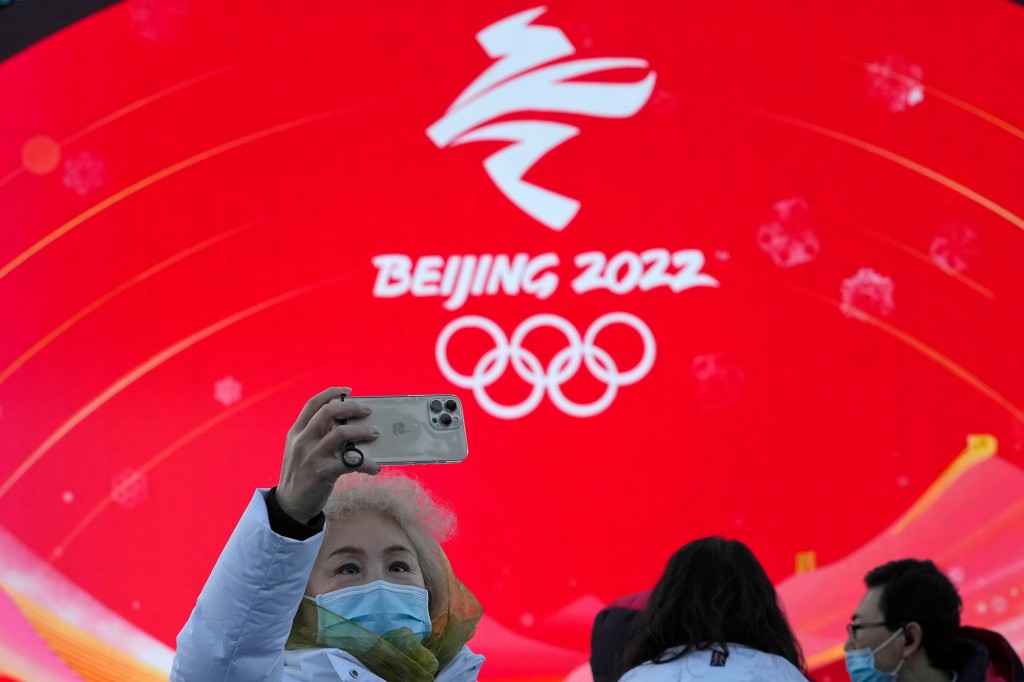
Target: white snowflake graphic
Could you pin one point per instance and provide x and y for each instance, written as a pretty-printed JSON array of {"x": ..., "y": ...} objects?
[
  {"x": 788, "y": 238},
  {"x": 895, "y": 82},
  {"x": 129, "y": 488},
  {"x": 84, "y": 173},
  {"x": 954, "y": 247},
  {"x": 717, "y": 379},
  {"x": 157, "y": 21},
  {"x": 227, "y": 391},
  {"x": 867, "y": 292}
]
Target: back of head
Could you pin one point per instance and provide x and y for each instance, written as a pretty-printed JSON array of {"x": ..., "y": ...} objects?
[
  {"x": 613, "y": 629},
  {"x": 713, "y": 592},
  {"x": 917, "y": 591}
]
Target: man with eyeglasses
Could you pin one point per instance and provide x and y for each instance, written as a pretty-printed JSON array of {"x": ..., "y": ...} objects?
[{"x": 907, "y": 628}]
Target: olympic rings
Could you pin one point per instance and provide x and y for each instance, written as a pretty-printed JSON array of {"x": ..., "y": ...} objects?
[{"x": 579, "y": 350}]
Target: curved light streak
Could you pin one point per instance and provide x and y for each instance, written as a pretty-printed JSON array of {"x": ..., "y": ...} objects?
[
  {"x": 149, "y": 365},
  {"x": 924, "y": 349},
  {"x": 174, "y": 447},
  {"x": 120, "y": 289},
  {"x": 979, "y": 448},
  {"x": 829, "y": 655},
  {"x": 139, "y": 103},
  {"x": 910, "y": 164},
  {"x": 935, "y": 92},
  {"x": 1004, "y": 523},
  {"x": 163, "y": 174},
  {"x": 127, "y": 109},
  {"x": 910, "y": 250},
  {"x": 10, "y": 176}
]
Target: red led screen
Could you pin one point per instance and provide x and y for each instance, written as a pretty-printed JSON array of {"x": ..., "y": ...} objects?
[{"x": 739, "y": 268}]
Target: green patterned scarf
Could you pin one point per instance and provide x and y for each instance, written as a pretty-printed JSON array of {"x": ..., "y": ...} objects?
[{"x": 398, "y": 656}]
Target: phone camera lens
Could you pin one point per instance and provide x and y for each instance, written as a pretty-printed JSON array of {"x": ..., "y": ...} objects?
[
  {"x": 435, "y": 405},
  {"x": 445, "y": 419},
  {"x": 450, "y": 405}
]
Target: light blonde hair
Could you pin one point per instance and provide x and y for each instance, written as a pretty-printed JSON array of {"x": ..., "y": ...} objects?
[{"x": 405, "y": 501}]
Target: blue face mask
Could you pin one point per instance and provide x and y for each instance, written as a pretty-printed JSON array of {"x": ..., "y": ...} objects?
[
  {"x": 379, "y": 607},
  {"x": 860, "y": 664}
]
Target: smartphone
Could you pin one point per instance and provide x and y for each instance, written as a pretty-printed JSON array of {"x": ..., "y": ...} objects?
[{"x": 415, "y": 429}]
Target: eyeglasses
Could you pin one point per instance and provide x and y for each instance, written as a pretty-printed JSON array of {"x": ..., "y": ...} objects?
[{"x": 851, "y": 628}]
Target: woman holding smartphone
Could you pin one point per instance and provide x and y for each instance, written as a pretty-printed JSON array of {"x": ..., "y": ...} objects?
[
  {"x": 333, "y": 574},
  {"x": 713, "y": 617}
]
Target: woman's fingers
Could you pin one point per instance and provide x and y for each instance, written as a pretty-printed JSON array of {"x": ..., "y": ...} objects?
[
  {"x": 368, "y": 467},
  {"x": 347, "y": 433},
  {"x": 331, "y": 451},
  {"x": 329, "y": 414},
  {"x": 353, "y": 460},
  {"x": 312, "y": 462},
  {"x": 314, "y": 405}
]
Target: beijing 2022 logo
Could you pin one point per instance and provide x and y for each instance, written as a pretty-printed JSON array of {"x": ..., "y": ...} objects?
[{"x": 532, "y": 74}]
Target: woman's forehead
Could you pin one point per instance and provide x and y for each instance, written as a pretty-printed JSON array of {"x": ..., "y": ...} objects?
[{"x": 366, "y": 532}]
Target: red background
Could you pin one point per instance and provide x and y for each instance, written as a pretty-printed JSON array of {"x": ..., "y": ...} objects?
[{"x": 289, "y": 143}]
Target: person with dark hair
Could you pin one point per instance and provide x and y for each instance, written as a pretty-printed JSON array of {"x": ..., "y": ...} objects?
[
  {"x": 907, "y": 628},
  {"x": 613, "y": 627},
  {"x": 713, "y": 615}
]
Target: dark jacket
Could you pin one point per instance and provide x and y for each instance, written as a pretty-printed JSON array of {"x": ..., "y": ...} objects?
[
  {"x": 990, "y": 658},
  {"x": 613, "y": 628}
]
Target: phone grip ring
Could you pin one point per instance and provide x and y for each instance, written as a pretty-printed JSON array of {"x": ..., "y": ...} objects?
[{"x": 351, "y": 456}]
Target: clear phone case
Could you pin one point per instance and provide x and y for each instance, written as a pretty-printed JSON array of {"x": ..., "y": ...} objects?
[{"x": 415, "y": 429}]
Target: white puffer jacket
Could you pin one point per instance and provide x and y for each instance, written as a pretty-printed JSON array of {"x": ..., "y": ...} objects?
[
  {"x": 743, "y": 664},
  {"x": 242, "y": 618}
]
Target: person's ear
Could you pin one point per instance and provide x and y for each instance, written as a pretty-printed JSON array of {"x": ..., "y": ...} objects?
[{"x": 913, "y": 637}]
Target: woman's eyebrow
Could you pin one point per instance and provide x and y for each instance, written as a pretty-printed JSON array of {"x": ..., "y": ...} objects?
[
  {"x": 397, "y": 548},
  {"x": 358, "y": 551}
]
